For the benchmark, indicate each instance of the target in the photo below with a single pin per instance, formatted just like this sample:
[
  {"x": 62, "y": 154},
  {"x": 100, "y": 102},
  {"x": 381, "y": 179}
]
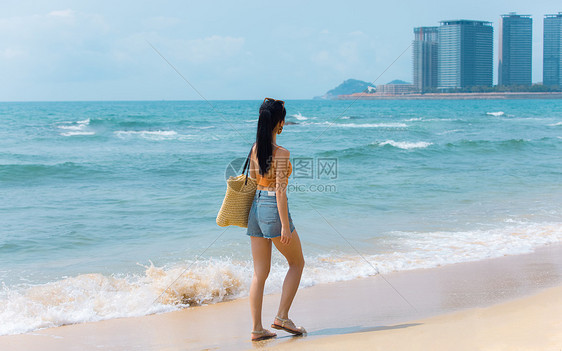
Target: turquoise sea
[{"x": 105, "y": 204}]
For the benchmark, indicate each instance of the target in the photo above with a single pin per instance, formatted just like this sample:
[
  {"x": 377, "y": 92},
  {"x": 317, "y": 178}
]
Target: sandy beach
[
  {"x": 506, "y": 303},
  {"x": 528, "y": 323}
]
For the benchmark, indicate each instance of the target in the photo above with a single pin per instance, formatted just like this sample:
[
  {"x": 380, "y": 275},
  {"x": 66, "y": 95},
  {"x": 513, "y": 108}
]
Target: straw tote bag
[{"x": 240, "y": 192}]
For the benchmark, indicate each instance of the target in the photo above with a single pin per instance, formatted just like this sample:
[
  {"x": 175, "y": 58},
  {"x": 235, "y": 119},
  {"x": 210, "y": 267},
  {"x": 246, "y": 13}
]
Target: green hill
[
  {"x": 349, "y": 86},
  {"x": 398, "y": 81}
]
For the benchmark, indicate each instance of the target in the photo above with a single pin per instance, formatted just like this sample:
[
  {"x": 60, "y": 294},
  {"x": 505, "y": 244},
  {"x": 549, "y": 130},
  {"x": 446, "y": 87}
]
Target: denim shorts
[{"x": 263, "y": 219}]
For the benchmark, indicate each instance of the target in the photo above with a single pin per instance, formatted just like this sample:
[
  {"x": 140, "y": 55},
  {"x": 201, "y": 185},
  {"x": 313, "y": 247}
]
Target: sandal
[
  {"x": 263, "y": 334},
  {"x": 288, "y": 326}
]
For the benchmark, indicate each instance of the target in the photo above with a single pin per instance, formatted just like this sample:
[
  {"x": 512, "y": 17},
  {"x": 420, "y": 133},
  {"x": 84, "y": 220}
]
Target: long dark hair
[{"x": 271, "y": 113}]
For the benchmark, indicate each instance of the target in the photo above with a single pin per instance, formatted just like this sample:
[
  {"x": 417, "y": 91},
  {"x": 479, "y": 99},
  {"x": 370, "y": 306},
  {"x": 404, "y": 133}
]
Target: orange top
[{"x": 269, "y": 180}]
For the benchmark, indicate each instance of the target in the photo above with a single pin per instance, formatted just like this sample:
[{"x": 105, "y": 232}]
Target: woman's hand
[{"x": 286, "y": 235}]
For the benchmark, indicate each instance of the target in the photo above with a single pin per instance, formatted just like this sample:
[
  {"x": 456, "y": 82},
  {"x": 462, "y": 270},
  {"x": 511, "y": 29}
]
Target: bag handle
[{"x": 246, "y": 168}]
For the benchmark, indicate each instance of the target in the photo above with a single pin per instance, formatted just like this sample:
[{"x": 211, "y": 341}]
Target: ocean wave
[
  {"x": 444, "y": 120},
  {"x": 76, "y": 128},
  {"x": 449, "y": 131},
  {"x": 359, "y": 125},
  {"x": 372, "y": 125},
  {"x": 457, "y": 146},
  {"x": 77, "y": 133},
  {"x": 72, "y": 126},
  {"x": 299, "y": 116},
  {"x": 137, "y": 123},
  {"x": 413, "y": 119},
  {"x": 94, "y": 297},
  {"x": 404, "y": 144},
  {"x": 150, "y": 134},
  {"x": 133, "y": 124},
  {"x": 556, "y": 124},
  {"x": 496, "y": 114},
  {"x": 494, "y": 144},
  {"x": 26, "y": 172}
]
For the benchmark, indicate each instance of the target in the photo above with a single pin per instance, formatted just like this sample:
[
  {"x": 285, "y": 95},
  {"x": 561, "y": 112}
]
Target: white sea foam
[
  {"x": 299, "y": 116},
  {"x": 556, "y": 124},
  {"x": 495, "y": 114},
  {"x": 77, "y": 128},
  {"x": 441, "y": 119},
  {"x": 93, "y": 297},
  {"x": 406, "y": 145},
  {"x": 356, "y": 125},
  {"x": 413, "y": 119},
  {"x": 150, "y": 134},
  {"x": 73, "y": 126},
  {"x": 77, "y": 133},
  {"x": 345, "y": 117},
  {"x": 416, "y": 250}
]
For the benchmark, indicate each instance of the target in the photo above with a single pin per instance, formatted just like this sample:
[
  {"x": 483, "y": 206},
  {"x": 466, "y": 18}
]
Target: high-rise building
[
  {"x": 425, "y": 58},
  {"x": 465, "y": 54},
  {"x": 552, "y": 56},
  {"x": 515, "y": 50}
]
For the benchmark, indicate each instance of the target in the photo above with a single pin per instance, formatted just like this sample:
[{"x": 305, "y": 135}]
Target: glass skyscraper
[
  {"x": 465, "y": 54},
  {"x": 515, "y": 50},
  {"x": 425, "y": 58},
  {"x": 552, "y": 55}
]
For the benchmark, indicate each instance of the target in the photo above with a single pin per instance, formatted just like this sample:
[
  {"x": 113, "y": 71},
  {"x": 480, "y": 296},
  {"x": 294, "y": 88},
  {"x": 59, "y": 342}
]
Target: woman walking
[{"x": 269, "y": 220}]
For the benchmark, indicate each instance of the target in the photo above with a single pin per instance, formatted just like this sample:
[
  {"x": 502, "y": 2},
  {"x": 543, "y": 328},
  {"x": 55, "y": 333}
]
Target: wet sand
[{"x": 359, "y": 310}]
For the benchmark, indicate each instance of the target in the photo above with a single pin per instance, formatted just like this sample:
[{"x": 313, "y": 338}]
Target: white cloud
[
  {"x": 59, "y": 45},
  {"x": 68, "y": 13},
  {"x": 40, "y": 28},
  {"x": 349, "y": 51},
  {"x": 341, "y": 56},
  {"x": 213, "y": 48},
  {"x": 357, "y": 33}
]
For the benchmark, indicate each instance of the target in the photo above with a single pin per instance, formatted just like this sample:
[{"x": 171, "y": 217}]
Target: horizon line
[{"x": 147, "y": 100}]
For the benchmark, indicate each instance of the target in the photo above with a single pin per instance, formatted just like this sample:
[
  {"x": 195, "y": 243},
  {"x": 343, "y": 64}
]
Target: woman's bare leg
[
  {"x": 261, "y": 252},
  {"x": 294, "y": 256}
]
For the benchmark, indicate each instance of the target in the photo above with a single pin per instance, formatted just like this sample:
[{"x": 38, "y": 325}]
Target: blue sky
[{"x": 98, "y": 50}]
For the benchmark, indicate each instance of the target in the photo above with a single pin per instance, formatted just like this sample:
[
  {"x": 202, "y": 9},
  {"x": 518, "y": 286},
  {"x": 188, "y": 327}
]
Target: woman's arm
[
  {"x": 252, "y": 164},
  {"x": 281, "y": 181}
]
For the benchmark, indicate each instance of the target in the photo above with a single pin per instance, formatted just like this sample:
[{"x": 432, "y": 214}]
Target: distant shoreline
[{"x": 453, "y": 96}]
